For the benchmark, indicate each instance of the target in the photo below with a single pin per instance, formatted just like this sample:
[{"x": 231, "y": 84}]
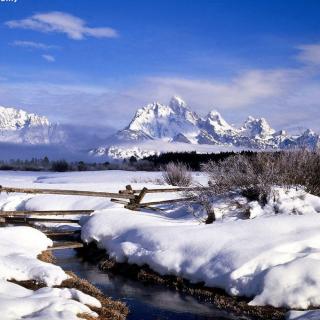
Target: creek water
[{"x": 146, "y": 302}]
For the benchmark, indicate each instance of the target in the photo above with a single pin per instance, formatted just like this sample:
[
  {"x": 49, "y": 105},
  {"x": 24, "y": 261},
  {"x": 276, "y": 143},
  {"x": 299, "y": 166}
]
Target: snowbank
[
  {"x": 287, "y": 201},
  {"x": 17, "y": 302},
  {"x": 19, "y": 248},
  {"x": 274, "y": 260}
]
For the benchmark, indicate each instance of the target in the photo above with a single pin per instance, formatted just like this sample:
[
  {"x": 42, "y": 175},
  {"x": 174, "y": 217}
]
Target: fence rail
[
  {"x": 66, "y": 192},
  {"x": 44, "y": 213}
]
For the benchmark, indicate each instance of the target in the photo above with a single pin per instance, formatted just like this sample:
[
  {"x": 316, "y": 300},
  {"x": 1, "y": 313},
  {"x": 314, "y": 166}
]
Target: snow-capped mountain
[
  {"x": 157, "y": 121},
  {"x": 175, "y": 123},
  {"x": 19, "y": 126}
]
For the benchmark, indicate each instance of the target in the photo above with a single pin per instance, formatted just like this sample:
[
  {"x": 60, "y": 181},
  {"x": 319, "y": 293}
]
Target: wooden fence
[
  {"x": 136, "y": 203},
  {"x": 130, "y": 198}
]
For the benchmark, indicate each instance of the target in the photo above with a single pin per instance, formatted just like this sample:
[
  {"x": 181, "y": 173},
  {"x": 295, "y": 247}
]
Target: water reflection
[{"x": 146, "y": 302}]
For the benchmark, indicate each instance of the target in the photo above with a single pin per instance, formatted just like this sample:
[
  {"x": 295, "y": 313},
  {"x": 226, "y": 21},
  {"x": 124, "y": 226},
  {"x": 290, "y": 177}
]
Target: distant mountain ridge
[
  {"x": 154, "y": 128},
  {"x": 21, "y": 127},
  {"x": 176, "y": 123}
]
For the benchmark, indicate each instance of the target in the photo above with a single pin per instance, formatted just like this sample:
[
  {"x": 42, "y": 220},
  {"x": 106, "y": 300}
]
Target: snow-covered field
[{"x": 273, "y": 257}]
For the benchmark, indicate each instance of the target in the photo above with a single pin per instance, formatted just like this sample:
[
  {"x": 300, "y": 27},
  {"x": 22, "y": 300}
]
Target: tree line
[{"x": 192, "y": 160}]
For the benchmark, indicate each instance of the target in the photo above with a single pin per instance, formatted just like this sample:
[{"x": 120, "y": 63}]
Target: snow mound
[
  {"x": 274, "y": 260},
  {"x": 17, "y": 302},
  {"x": 19, "y": 248}
]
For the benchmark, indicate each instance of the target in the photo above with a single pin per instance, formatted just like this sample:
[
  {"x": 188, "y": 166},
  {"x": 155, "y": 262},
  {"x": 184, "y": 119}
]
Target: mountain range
[
  {"x": 154, "y": 128},
  {"x": 175, "y": 124},
  {"x": 20, "y": 127}
]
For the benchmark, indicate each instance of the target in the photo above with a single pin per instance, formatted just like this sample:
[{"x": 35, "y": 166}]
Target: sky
[{"x": 94, "y": 62}]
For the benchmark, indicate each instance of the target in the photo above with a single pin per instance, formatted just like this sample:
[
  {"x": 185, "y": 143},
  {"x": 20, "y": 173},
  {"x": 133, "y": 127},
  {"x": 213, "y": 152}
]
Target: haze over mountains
[{"x": 154, "y": 128}]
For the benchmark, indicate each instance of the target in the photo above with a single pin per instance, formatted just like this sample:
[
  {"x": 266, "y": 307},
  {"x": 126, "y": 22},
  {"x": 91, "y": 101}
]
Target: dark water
[{"x": 145, "y": 302}]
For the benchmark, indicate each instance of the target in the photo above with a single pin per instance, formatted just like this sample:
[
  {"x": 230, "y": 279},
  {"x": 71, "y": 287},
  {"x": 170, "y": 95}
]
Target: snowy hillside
[
  {"x": 176, "y": 123},
  {"x": 18, "y": 126}
]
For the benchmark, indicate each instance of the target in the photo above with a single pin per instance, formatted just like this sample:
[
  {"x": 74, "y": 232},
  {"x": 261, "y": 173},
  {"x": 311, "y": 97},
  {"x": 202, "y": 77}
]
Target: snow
[
  {"x": 141, "y": 149},
  {"x": 19, "y": 248},
  {"x": 116, "y": 152},
  {"x": 160, "y": 121},
  {"x": 292, "y": 201},
  {"x": 17, "y": 302},
  {"x": 19, "y": 126},
  {"x": 273, "y": 257},
  {"x": 303, "y": 315}
]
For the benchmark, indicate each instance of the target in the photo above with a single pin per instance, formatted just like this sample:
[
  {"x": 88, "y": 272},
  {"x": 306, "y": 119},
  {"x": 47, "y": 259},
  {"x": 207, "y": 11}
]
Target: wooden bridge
[{"x": 130, "y": 198}]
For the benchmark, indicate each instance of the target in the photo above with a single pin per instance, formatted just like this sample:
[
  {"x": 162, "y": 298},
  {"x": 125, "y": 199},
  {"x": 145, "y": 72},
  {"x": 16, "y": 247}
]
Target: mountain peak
[
  {"x": 215, "y": 120},
  {"x": 19, "y": 126},
  {"x": 257, "y": 127},
  {"x": 16, "y": 119},
  {"x": 176, "y": 101},
  {"x": 309, "y": 132},
  {"x": 158, "y": 121},
  {"x": 214, "y": 114}
]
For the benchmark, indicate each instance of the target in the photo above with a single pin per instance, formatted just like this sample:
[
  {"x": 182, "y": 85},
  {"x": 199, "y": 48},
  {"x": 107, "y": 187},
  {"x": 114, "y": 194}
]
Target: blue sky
[{"x": 93, "y": 62}]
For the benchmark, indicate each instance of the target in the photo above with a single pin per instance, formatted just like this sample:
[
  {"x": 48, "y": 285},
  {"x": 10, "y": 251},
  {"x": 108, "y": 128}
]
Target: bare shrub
[
  {"x": 177, "y": 174},
  {"x": 255, "y": 176},
  {"x": 300, "y": 168}
]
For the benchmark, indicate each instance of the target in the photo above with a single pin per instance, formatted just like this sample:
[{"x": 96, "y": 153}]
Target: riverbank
[
  {"x": 110, "y": 309},
  {"x": 237, "y": 306},
  {"x": 31, "y": 286}
]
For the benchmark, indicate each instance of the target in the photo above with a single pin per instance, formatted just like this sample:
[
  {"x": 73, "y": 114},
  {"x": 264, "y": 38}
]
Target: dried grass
[
  {"x": 47, "y": 256},
  {"x": 177, "y": 174}
]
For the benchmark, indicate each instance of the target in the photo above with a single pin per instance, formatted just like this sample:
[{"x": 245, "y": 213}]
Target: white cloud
[
  {"x": 33, "y": 45},
  {"x": 49, "y": 57},
  {"x": 60, "y": 22},
  {"x": 309, "y": 54},
  {"x": 241, "y": 91}
]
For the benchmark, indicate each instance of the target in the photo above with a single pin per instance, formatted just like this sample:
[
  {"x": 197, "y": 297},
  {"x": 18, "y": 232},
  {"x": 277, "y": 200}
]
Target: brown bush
[{"x": 177, "y": 174}]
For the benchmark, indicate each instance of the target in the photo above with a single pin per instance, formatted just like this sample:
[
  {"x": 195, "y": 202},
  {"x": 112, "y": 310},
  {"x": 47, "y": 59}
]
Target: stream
[{"x": 146, "y": 302}]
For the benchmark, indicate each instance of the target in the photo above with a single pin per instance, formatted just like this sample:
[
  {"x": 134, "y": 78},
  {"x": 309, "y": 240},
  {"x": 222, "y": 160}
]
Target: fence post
[{"x": 134, "y": 203}]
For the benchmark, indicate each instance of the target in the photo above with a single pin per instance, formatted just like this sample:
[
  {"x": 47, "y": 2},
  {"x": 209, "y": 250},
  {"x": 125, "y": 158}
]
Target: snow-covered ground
[
  {"x": 273, "y": 257},
  {"x": 19, "y": 247}
]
